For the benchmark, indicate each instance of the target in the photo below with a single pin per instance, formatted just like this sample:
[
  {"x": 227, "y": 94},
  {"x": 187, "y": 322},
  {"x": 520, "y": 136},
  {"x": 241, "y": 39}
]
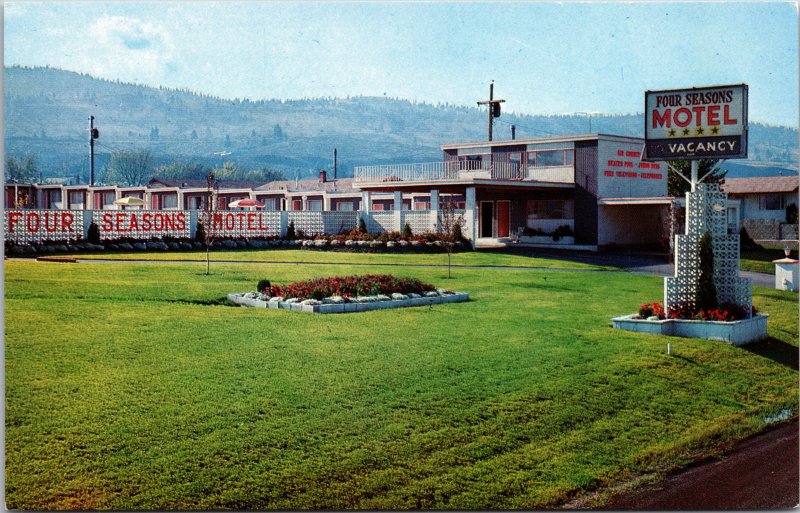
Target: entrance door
[
  {"x": 487, "y": 216},
  {"x": 503, "y": 218}
]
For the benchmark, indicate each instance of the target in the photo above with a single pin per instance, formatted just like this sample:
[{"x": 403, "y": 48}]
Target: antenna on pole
[
  {"x": 494, "y": 107},
  {"x": 334, "y": 163}
]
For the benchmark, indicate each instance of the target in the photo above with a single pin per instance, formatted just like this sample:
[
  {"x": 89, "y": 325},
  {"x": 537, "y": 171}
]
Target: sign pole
[{"x": 695, "y": 166}]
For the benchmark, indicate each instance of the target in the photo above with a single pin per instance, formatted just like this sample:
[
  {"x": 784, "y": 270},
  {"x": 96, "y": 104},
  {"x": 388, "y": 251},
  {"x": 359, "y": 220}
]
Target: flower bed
[
  {"x": 728, "y": 323},
  {"x": 340, "y": 294}
]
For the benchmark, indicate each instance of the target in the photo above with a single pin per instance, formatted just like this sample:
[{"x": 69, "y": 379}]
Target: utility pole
[
  {"x": 494, "y": 107},
  {"x": 513, "y": 132},
  {"x": 334, "y": 163},
  {"x": 93, "y": 134}
]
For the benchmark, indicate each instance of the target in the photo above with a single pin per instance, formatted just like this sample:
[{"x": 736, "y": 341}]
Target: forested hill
[{"x": 47, "y": 110}]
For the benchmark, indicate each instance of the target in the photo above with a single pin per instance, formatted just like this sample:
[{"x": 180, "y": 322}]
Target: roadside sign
[{"x": 696, "y": 123}]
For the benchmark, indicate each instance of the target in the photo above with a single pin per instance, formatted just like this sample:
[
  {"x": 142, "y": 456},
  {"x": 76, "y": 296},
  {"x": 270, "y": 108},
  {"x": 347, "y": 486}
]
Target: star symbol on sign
[
  {"x": 699, "y": 130},
  {"x": 671, "y": 132},
  {"x": 686, "y": 131},
  {"x": 714, "y": 129}
]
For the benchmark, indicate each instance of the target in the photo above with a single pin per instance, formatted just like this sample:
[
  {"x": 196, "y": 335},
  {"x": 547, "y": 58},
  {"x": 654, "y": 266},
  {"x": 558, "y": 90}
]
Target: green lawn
[
  {"x": 467, "y": 258},
  {"x": 129, "y": 386},
  {"x": 760, "y": 260}
]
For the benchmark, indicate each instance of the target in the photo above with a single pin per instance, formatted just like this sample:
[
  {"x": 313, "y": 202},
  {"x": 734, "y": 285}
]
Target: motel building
[
  {"x": 586, "y": 192},
  {"x": 519, "y": 192}
]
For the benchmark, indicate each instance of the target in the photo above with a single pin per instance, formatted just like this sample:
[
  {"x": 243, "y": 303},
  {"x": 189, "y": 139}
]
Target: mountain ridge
[{"x": 47, "y": 109}]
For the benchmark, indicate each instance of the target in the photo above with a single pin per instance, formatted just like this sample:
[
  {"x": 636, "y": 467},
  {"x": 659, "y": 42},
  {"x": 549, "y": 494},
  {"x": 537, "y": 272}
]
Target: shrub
[
  {"x": 407, "y": 231},
  {"x": 746, "y": 241},
  {"x": 562, "y": 231},
  {"x": 791, "y": 213},
  {"x": 362, "y": 225},
  {"x": 290, "y": 234},
  {"x": 706, "y": 290},
  {"x": 651, "y": 309},
  {"x": 458, "y": 236},
  {"x": 264, "y": 286},
  {"x": 200, "y": 232},
  {"x": 346, "y": 286},
  {"x": 94, "y": 234}
]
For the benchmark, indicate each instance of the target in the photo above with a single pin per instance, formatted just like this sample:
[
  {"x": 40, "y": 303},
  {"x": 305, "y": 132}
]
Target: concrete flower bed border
[
  {"x": 734, "y": 332},
  {"x": 311, "y": 306}
]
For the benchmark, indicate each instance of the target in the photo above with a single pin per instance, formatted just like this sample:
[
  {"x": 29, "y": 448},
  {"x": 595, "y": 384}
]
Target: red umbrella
[{"x": 246, "y": 202}]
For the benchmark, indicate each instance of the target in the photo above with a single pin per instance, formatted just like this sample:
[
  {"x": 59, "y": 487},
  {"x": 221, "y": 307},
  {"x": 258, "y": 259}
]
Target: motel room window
[
  {"x": 771, "y": 202},
  {"x": 54, "y": 197},
  {"x": 551, "y": 209},
  {"x": 109, "y": 198},
  {"x": 550, "y": 158},
  {"x": 269, "y": 204},
  {"x": 169, "y": 201},
  {"x": 75, "y": 197},
  {"x": 345, "y": 206},
  {"x": 314, "y": 205},
  {"x": 196, "y": 203},
  {"x": 472, "y": 162}
]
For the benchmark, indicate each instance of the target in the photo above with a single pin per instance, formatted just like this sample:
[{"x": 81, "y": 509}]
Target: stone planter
[
  {"x": 735, "y": 332},
  {"x": 240, "y": 300}
]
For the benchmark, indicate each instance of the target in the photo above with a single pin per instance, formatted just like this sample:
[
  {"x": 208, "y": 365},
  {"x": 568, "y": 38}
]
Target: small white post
[
  {"x": 669, "y": 348},
  {"x": 695, "y": 165}
]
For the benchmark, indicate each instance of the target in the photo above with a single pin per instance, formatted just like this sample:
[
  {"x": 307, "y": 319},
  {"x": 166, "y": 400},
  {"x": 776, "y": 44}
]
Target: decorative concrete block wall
[{"x": 705, "y": 212}]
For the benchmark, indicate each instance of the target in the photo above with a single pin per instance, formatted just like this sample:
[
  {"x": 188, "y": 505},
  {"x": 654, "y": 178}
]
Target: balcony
[{"x": 461, "y": 170}]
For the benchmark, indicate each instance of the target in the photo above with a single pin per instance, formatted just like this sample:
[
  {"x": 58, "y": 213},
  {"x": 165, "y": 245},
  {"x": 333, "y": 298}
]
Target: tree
[
  {"x": 277, "y": 133},
  {"x": 183, "y": 171},
  {"x": 206, "y": 222},
  {"x": 21, "y": 171},
  {"x": 449, "y": 228},
  {"x": 678, "y": 187},
  {"x": 130, "y": 167}
]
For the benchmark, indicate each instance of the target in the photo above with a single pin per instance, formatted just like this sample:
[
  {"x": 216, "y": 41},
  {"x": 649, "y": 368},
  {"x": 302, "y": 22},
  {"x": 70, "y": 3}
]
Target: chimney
[{"x": 323, "y": 177}]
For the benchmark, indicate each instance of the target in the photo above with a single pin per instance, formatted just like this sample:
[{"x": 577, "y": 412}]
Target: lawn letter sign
[{"x": 697, "y": 123}]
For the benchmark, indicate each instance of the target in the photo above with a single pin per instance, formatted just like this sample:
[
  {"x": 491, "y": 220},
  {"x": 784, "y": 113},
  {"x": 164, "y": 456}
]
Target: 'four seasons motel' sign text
[{"x": 697, "y": 123}]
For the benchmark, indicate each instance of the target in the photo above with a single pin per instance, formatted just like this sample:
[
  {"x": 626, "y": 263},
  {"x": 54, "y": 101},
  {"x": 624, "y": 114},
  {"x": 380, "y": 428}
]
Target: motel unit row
[{"x": 595, "y": 184}]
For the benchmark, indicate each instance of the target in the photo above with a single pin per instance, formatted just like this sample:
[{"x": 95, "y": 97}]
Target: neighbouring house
[{"x": 764, "y": 202}]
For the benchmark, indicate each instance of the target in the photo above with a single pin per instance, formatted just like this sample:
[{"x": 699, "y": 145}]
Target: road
[{"x": 761, "y": 473}]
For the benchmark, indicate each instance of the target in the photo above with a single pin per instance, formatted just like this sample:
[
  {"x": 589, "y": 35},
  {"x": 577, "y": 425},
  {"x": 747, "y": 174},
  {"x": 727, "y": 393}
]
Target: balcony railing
[{"x": 455, "y": 170}]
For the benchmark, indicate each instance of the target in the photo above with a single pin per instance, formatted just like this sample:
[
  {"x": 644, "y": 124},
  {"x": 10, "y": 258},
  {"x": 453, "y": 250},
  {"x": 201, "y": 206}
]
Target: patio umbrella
[
  {"x": 247, "y": 202},
  {"x": 131, "y": 201}
]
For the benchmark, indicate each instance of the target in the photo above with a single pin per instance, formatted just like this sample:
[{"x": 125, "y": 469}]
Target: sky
[{"x": 544, "y": 57}]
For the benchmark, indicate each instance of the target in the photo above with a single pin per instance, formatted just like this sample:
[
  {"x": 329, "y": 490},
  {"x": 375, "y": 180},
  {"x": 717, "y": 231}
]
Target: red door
[{"x": 503, "y": 218}]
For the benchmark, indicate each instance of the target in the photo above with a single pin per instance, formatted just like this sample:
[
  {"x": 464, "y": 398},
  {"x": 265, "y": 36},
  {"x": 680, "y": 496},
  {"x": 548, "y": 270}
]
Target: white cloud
[{"x": 128, "y": 48}]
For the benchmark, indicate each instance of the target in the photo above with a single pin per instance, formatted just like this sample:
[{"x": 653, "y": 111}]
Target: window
[
  {"x": 109, "y": 198},
  {"x": 550, "y": 209},
  {"x": 771, "y": 202},
  {"x": 345, "y": 205},
  {"x": 550, "y": 158},
  {"x": 314, "y": 205},
  {"x": 75, "y": 197},
  {"x": 54, "y": 197},
  {"x": 474, "y": 162},
  {"x": 422, "y": 205},
  {"x": 169, "y": 201}
]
